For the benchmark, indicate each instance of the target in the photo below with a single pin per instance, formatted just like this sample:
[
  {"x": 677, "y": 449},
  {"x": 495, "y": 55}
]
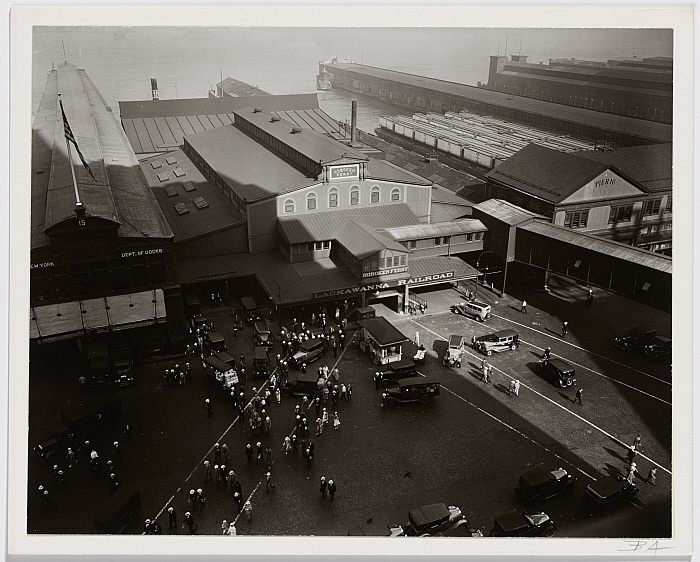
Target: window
[
  {"x": 311, "y": 202},
  {"x": 355, "y": 195},
  {"x": 310, "y": 247},
  {"x": 396, "y": 194},
  {"x": 289, "y": 206},
  {"x": 411, "y": 244},
  {"x": 397, "y": 260},
  {"x": 652, "y": 207},
  {"x": 326, "y": 244},
  {"x": 469, "y": 236},
  {"x": 333, "y": 197},
  {"x": 402, "y": 261},
  {"x": 669, "y": 202},
  {"x": 374, "y": 196},
  {"x": 478, "y": 235},
  {"x": 437, "y": 241},
  {"x": 576, "y": 219},
  {"x": 620, "y": 214}
]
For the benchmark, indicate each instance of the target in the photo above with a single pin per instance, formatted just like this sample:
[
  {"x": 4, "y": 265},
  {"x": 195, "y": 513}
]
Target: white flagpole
[{"x": 70, "y": 157}]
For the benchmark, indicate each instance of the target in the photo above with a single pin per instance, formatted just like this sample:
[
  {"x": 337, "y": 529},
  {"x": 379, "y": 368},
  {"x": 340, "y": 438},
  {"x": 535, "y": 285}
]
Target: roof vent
[
  {"x": 257, "y": 110},
  {"x": 275, "y": 118},
  {"x": 296, "y": 130}
]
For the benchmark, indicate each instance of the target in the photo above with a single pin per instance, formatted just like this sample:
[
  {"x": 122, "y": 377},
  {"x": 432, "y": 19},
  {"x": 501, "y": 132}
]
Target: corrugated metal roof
[
  {"x": 385, "y": 170},
  {"x": 611, "y": 248},
  {"x": 315, "y": 119},
  {"x": 431, "y": 230},
  {"x": 425, "y": 267},
  {"x": 650, "y": 166},
  {"x": 504, "y": 211},
  {"x": 382, "y": 331},
  {"x": 315, "y": 146},
  {"x": 220, "y": 213},
  {"x": 363, "y": 241},
  {"x": 235, "y": 87},
  {"x": 213, "y": 106},
  {"x": 325, "y": 225},
  {"x": 248, "y": 167},
  {"x": 545, "y": 173},
  {"x": 441, "y": 212},
  {"x": 609, "y": 122},
  {"x": 119, "y": 194}
]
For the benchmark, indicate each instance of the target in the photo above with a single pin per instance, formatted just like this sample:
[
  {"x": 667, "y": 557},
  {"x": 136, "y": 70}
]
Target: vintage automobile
[
  {"x": 122, "y": 363},
  {"x": 455, "y": 351},
  {"x": 116, "y": 513},
  {"x": 301, "y": 383},
  {"x": 215, "y": 342},
  {"x": 539, "y": 484},
  {"x": 54, "y": 448},
  {"x": 608, "y": 493},
  {"x": 249, "y": 309},
  {"x": 199, "y": 322},
  {"x": 431, "y": 519},
  {"x": 659, "y": 347},
  {"x": 478, "y": 310},
  {"x": 309, "y": 351},
  {"x": 502, "y": 340},
  {"x": 556, "y": 371},
  {"x": 262, "y": 334},
  {"x": 636, "y": 339},
  {"x": 393, "y": 372},
  {"x": 523, "y": 524},
  {"x": 415, "y": 389},
  {"x": 226, "y": 357},
  {"x": 219, "y": 373},
  {"x": 260, "y": 361}
]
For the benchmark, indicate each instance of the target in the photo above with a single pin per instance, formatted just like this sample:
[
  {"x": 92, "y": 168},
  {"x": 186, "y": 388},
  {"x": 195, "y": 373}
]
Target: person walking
[
  {"x": 631, "y": 473},
  {"x": 70, "y": 455},
  {"x": 309, "y": 456},
  {"x": 334, "y": 397},
  {"x": 631, "y": 455},
  {"x": 523, "y": 307},
  {"x": 564, "y": 329},
  {"x": 324, "y": 417},
  {"x": 295, "y": 444},
  {"x": 349, "y": 393},
  {"x": 336, "y": 421},
  {"x": 237, "y": 502},
  {"x": 343, "y": 393},
  {"x": 651, "y": 479},
  {"x": 268, "y": 457},
  {"x": 210, "y": 409},
  {"x": 189, "y": 523},
  {"x": 268, "y": 481},
  {"x": 200, "y": 498},
  {"x": 319, "y": 426},
  {"x": 224, "y": 452},
  {"x": 268, "y": 425},
  {"x": 516, "y": 387},
  {"x": 511, "y": 387},
  {"x": 217, "y": 453},
  {"x": 546, "y": 354},
  {"x": 207, "y": 471},
  {"x": 418, "y": 339},
  {"x": 579, "y": 394},
  {"x": 590, "y": 296},
  {"x": 249, "y": 453},
  {"x": 324, "y": 487},
  {"x": 331, "y": 489},
  {"x": 217, "y": 474},
  {"x": 172, "y": 518},
  {"x": 637, "y": 443},
  {"x": 258, "y": 452}
]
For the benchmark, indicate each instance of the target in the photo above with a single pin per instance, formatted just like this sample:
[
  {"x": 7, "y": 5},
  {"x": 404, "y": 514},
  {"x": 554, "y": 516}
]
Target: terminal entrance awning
[{"x": 118, "y": 312}]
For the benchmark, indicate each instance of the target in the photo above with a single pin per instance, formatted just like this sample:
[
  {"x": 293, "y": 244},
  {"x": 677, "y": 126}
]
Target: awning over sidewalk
[{"x": 69, "y": 319}]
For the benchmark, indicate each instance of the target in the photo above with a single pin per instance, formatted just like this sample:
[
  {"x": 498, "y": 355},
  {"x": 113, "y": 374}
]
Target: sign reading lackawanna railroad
[{"x": 379, "y": 286}]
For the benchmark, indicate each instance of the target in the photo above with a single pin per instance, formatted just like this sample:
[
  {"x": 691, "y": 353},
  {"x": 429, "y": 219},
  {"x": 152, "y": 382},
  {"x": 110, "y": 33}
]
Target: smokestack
[
  {"x": 353, "y": 123},
  {"x": 154, "y": 88}
]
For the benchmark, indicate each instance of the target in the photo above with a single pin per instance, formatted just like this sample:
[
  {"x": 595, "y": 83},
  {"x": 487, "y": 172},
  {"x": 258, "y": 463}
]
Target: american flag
[{"x": 69, "y": 136}]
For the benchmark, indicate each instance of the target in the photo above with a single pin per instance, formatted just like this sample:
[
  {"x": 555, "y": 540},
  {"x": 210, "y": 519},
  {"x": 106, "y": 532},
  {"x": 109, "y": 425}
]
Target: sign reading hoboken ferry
[{"x": 345, "y": 172}]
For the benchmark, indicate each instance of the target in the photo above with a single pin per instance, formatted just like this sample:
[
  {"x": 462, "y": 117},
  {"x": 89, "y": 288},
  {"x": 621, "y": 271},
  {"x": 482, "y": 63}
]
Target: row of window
[
  {"x": 385, "y": 263},
  {"x": 311, "y": 198},
  {"x": 618, "y": 213},
  {"x": 318, "y": 246},
  {"x": 577, "y": 219}
]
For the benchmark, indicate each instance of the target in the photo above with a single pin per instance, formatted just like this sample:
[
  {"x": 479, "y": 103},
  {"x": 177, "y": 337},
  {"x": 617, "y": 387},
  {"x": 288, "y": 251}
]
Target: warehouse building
[{"x": 623, "y": 195}]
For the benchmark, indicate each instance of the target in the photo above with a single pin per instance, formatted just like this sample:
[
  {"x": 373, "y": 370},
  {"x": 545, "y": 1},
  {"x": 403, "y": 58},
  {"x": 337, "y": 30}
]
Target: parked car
[
  {"x": 523, "y": 524},
  {"x": 394, "y": 371},
  {"x": 660, "y": 346},
  {"x": 54, "y": 448},
  {"x": 94, "y": 417},
  {"x": 637, "y": 338},
  {"x": 260, "y": 361},
  {"x": 262, "y": 334},
  {"x": 249, "y": 308},
  {"x": 416, "y": 389},
  {"x": 309, "y": 351},
  {"x": 502, "y": 340},
  {"x": 556, "y": 371},
  {"x": 478, "y": 310},
  {"x": 608, "y": 493},
  {"x": 122, "y": 363},
  {"x": 539, "y": 484},
  {"x": 226, "y": 357},
  {"x": 116, "y": 513},
  {"x": 300, "y": 383},
  {"x": 431, "y": 519},
  {"x": 199, "y": 322},
  {"x": 215, "y": 342},
  {"x": 455, "y": 351}
]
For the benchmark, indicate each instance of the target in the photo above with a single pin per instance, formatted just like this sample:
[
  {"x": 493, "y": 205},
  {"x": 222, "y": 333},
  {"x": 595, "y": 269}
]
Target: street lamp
[
  {"x": 476, "y": 283},
  {"x": 279, "y": 297}
]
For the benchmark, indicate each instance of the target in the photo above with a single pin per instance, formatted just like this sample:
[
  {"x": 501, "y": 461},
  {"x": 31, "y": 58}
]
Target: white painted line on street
[
  {"x": 247, "y": 500},
  {"x": 601, "y": 430},
  {"x": 601, "y": 374},
  {"x": 561, "y": 340},
  {"x": 515, "y": 430},
  {"x": 167, "y": 504}
]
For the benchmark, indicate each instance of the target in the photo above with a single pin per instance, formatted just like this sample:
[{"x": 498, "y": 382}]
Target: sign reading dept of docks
[
  {"x": 428, "y": 279},
  {"x": 351, "y": 171}
]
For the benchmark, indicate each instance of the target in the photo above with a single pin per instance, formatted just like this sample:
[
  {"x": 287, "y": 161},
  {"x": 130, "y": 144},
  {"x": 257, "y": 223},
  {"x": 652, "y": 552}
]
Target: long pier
[{"x": 424, "y": 94}]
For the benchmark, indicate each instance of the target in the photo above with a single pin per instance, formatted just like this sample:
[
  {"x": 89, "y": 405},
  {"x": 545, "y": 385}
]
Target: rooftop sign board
[{"x": 351, "y": 171}]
